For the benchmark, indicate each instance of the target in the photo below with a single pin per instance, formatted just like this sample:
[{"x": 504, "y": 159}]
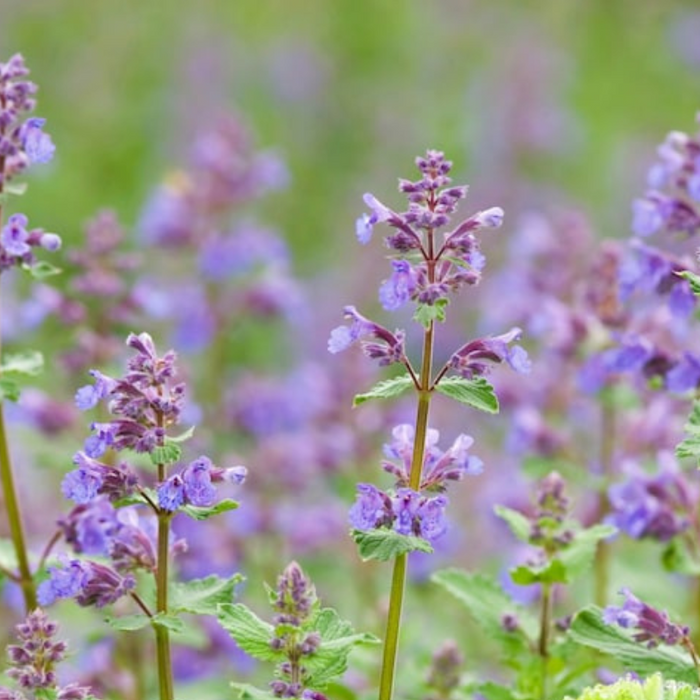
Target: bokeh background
[{"x": 541, "y": 105}]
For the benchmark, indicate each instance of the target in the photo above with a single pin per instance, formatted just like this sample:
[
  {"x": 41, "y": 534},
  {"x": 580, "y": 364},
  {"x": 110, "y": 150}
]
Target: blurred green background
[{"x": 538, "y": 103}]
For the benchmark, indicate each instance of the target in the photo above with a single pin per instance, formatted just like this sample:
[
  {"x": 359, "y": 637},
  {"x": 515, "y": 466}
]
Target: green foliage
[
  {"x": 693, "y": 280},
  {"x": 653, "y": 688},
  {"x": 204, "y": 595},
  {"x": 169, "y": 453},
  {"x": 386, "y": 389},
  {"x": 252, "y": 634},
  {"x": 677, "y": 559},
  {"x": 690, "y": 446},
  {"x": 477, "y": 393},
  {"x": 204, "y": 512},
  {"x": 41, "y": 270},
  {"x": 15, "y": 368},
  {"x": 487, "y": 603},
  {"x": 520, "y": 526},
  {"x": 250, "y": 692},
  {"x": 589, "y": 629},
  {"x": 425, "y": 314},
  {"x": 383, "y": 544}
]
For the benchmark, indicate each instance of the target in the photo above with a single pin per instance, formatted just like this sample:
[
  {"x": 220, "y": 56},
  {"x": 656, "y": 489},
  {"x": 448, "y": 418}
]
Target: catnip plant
[{"x": 431, "y": 260}]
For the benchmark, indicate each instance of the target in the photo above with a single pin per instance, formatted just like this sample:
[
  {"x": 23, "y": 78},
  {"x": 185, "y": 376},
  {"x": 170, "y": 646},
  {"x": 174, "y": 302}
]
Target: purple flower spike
[
  {"x": 37, "y": 145},
  {"x": 171, "y": 493},
  {"x": 14, "y": 236},
  {"x": 653, "y": 626}
]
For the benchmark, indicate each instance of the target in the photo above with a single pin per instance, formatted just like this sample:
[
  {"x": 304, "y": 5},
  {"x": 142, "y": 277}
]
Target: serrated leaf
[
  {"x": 589, "y": 629},
  {"x": 519, "y": 525},
  {"x": 252, "y": 634},
  {"x": 690, "y": 446},
  {"x": 250, "y": 692},
  {"x": 169, "y": 453},
  {"x": 41, "y": 270},
  {"x": 383, "y": 544},
  {"x": 170, "y": 621},
  {"x": 338, "y": 638},
  {"x": 487, "y": 603},
  {"x": 693, "y": 280},
  {"x": 477, "y": 393},
  {"x": 9, "y": 389},
  {"x": 128, "y": 623},
  {"x": 425, "y": 314},
  {"x": 27, "y": 364},
  {"x": 578, "y": 557},
  {"x": 204, "y": 512},
  {"x": 385, "y": 389},
  {"x": 203, "y": 596}
]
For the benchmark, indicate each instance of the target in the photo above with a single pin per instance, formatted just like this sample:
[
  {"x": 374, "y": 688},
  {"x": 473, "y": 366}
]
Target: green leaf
[
  {"x": 487, "y": 603},
  {"x": 251, "y": 633},
  {"x": 204, "y": 512},
  {"x": 250, "y": 692},
  {"x": 9, "y": 389},
  {"x": 128, "y": 623},
  {"x": 553, "y": 572},
  {"x": 136, "y": 499},
  {"x": 477, "y": 392},
  {"x": 520, "y": 526},
  {"x": 425, "y": 314},
  {"x": 677, "y": 559},
  {"x": 169, "y": 621},
  {"x": 589, "y": 629},
  {"x": 385, "y": 389},
  {"x": 169, "y": 453},
  {"x": 693, "y": 279},
  {"x": 41, "y": 270},
  {"x": 337, "y": 641},
  {"x": 16, "y": 188},
  {"x": 383, "y": 544},
  {"x": 493, "y": 691},
  {"x": 578, "y": 557},
  {"x": 690, "y": 446},
  {"x": 203, "y": 596},
  {"x": 27, "y": 364},
  {"x": 183, "y": 436}
]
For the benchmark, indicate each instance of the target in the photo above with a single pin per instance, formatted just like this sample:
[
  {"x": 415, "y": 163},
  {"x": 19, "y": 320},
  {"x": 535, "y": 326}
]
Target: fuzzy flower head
[
  {"x": 429, "y": 265},
  {"x": 23, "y": 141},
  {"x": 652, "y": 627}
]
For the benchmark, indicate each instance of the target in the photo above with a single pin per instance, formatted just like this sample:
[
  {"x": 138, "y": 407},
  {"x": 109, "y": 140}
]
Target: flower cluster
[
  {"x": 657, "y": 506},
  {"x": 195, "y": 484},
  {"x": 22, "y": 140},
  {"x": 404, "y": 510},
  {"x": 33, "y": 662},
  {"x": 295, "y": 603},
  {"x": 677, "y": 173},
  {"x": 17, "y": 242},
  {"x": 652, "y": 626}
]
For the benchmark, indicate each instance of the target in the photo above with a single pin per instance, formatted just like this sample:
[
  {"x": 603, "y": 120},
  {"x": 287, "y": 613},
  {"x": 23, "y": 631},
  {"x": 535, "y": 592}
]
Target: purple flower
[
  {"x": 405, "y": 507},
  {"x": 88, "y": 397},
  {"x": 63, "y": 582},
  {"x": 37, "y": 145},
  {"x": 397, "y": 290},
  {"x": 431, "y": 514},
  {"x": 197, "y": 483},
  {"x": 647, "y": 217},
  {"x": 370, "y": 509},
  {"x": 653, "y": 626},
  {"x": 171, "y": 493},
  {"x": 684, "y": 375},
  {"x": 82, "y": 485},
  {"x": 490, "y": 218},
  {"x": 472, "y": 359},
  {"x": 363, "y": 229},
  {"x": 14, "y": 235}
]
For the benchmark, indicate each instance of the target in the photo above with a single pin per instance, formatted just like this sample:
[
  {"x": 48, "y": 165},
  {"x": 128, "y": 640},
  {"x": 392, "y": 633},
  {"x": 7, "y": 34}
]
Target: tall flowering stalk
[
  {"x": 428, "y": 266},
  {"x": 22, "y": 143}
]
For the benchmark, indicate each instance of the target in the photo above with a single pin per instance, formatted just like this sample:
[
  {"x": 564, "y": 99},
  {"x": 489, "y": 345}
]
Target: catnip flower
[
  {"x": 17, "y": 242},
  {"x": 652, "y": 627},
  {"x": 473, "y": 359}
]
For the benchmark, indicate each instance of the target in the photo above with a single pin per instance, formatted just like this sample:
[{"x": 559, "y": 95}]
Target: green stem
[
  {"x": 14, "y": 516},
  {"x": 165, "y": 671},
  {"x": 545, "y": 621},
  {"x": 398, "y": 581}
]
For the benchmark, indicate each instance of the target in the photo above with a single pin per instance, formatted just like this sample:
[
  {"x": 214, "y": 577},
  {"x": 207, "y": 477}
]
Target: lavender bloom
[
  {"x": 14, "y": 235},
  {"x": 88, "y": 582},
  {"x": 171, "y": 493},
  {"x": 388, "y": 351},
  {"x": 92, "y": 478},
  {"x": 371, "y": 509},
  {"x": 653, "y": 626},
  {"x": 397, "y": 290},
  {"x": 33, "y": 661},
  {"x": 472, "y": 359},
  {"x": 88, "y": 397},
  {"x": 37, "y": 145},
  {"x": 197, "y": 482},
  {"x": 654, "y": 506}
]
